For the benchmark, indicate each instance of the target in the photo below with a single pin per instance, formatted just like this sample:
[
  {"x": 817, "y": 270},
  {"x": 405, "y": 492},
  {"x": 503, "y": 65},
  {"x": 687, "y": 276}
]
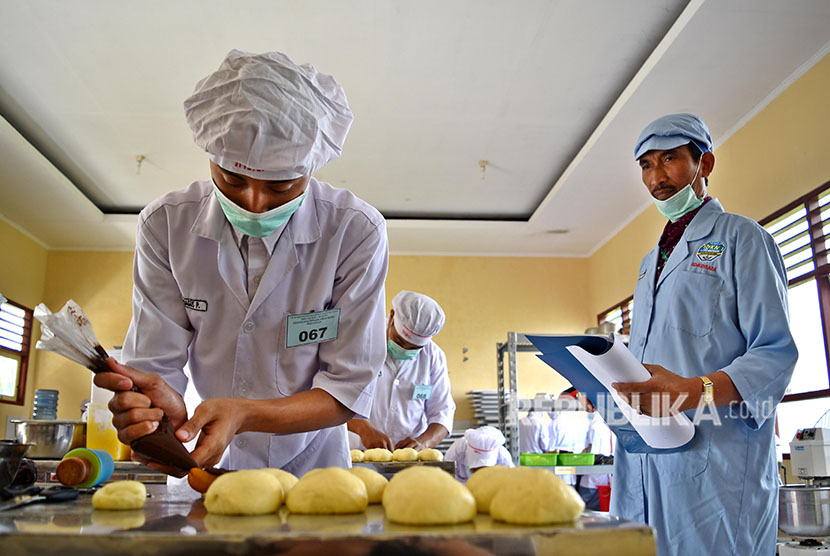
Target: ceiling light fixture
[
  {"x": 139, "y": 158},
  {"x": 483, "y": 164}
]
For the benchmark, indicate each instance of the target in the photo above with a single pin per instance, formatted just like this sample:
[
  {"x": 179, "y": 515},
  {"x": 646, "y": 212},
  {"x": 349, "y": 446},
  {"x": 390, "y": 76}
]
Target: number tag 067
[{"x": 312, "y": 328}]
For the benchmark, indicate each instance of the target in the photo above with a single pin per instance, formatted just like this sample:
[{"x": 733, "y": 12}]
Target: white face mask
[{"x": 682, "y": 202}]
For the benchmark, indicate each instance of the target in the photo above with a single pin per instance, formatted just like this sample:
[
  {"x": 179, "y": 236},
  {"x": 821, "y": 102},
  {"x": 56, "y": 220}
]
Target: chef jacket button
[
  {"x": 394, "y": 408},
  {"x": 243, "y": 390},
  {"x": 249, "y": 326},
  {"x": 240, "y": 442},
  {"x": 397, "y": 382}
]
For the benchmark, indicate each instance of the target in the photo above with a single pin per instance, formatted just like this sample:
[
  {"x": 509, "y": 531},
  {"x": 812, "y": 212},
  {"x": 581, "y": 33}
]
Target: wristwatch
[{"x": 708, "y": 390}]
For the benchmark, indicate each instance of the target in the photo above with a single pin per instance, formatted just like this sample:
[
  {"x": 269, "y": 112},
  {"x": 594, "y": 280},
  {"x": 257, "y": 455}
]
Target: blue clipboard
[{"x": 555, "y": 355}]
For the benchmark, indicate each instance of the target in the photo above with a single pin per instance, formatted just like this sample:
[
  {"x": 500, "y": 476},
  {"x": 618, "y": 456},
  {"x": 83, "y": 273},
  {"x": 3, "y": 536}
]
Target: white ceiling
[{"x": 551, "y": 93}]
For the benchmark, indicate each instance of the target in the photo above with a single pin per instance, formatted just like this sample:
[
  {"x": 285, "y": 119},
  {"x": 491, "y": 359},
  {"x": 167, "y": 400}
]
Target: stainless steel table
[{"x": 174, "y": 521}]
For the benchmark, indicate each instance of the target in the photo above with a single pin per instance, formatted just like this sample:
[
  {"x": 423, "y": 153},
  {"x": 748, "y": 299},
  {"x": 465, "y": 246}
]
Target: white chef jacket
[
  {"x": 395, "y": 412},
  {"x": 534, "y": 433},
  {"x": 191, "y": 306},
  {"x": 569, "y": 431},
  {"x": 602, "y": 442},
  {"x": 457, "y": 452}
]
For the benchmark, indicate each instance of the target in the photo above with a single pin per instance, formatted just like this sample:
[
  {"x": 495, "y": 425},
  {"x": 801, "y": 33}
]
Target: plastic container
[
  {"x": 85, "y": 468},
  {"x": 576, "y": 459},
  {"x": 604, "y": 493},
  {"x": 539, "y": 460},
  {"x": 45, "y": 405},
  {"x": 100, "y": 432}
]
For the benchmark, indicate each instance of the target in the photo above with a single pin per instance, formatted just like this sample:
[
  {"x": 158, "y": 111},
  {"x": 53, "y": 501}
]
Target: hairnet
[
  {"x": 483, "y": 446},
  {"x": 672, "y": 131},
  {"x": 417, "y": 317},
  {"x": 264, "y": 116}
]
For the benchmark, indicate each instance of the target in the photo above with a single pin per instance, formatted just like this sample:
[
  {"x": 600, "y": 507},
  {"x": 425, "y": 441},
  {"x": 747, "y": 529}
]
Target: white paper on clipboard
[{"x": 618, "y": 364}]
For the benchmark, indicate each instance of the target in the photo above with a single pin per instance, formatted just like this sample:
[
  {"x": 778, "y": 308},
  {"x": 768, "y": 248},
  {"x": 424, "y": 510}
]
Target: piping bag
[{"x": 69, "y": 333}]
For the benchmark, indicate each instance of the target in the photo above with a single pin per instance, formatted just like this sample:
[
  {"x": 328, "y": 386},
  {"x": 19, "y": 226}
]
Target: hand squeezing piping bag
[{"x": 69, "y": 333}]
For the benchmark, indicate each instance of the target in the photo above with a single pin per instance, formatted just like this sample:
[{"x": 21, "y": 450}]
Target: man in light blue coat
[{"x": 710, "y": 323}]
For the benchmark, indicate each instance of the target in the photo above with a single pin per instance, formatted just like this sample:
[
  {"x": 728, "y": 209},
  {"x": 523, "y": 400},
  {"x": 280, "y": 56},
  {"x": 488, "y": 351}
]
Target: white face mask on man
[{"x": 682, "y": 202}]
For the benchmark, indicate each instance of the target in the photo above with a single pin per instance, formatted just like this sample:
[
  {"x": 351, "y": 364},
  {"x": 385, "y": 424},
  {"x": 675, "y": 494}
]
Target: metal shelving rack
[{"x": 508, "y": 394}]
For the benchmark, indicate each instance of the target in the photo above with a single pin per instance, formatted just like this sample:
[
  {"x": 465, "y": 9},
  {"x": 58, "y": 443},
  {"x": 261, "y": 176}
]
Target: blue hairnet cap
[{"x": 672, "y": 131}]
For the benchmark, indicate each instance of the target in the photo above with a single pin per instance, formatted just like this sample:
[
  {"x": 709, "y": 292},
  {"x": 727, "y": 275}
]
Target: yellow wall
[
  {"x": 21, "y": 280},
  {"x": 484, "y": 298},
  {"x": 101, "y": 283},
  {"x": 781, "y": 154}
]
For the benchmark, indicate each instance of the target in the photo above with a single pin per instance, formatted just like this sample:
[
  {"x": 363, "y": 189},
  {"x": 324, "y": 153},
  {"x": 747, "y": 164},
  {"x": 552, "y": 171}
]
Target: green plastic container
[
  {"x": 576, "y": 459},
  {"x": 539, "y": 460}
]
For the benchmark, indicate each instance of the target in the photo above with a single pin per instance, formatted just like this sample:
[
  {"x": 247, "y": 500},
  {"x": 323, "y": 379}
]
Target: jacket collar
[{"x": 700, "y": 226}]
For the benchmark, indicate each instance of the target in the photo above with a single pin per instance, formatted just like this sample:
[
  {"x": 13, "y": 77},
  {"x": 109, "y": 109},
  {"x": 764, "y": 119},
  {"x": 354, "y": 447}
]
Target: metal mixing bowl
[
  {"x": 11, "y": 453},
  {"x": 50, "y": 439},
  {"x": 804, "y": 511}
]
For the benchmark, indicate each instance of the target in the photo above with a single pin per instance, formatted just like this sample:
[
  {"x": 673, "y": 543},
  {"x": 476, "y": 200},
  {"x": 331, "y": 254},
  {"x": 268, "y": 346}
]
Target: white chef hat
[
  {"x": 268, "y": 118},
  {"x": 417, "y": 317},
  {"x": 483, "y": 446}
]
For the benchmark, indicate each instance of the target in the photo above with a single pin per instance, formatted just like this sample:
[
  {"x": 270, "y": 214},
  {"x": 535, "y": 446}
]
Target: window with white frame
[
  {"x": 619, "y": 315},
  {"x": 15, "y": 335},
  {"x": 802, "y": 231}
]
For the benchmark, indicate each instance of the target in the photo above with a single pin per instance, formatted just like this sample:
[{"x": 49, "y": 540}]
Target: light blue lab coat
[{"x": 720, "y": 304}]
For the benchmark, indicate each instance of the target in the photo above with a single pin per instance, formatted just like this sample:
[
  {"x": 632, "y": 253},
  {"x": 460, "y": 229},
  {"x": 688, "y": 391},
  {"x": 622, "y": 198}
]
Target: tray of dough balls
[
  {"x": 387, "y": 462},
  {"x": 257, "y": 511}
]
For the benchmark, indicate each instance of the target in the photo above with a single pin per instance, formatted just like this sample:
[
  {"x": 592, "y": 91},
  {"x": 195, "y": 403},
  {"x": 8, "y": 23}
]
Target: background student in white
[
  {"x": 266, "y": 283},
  {"x": 534, "y": 432},
  {"x": 481, "y": 447},
  {"x": 569, "y": 429},
  {"x": 412, "y": 405},
  {"x": 600, "y": 440}
]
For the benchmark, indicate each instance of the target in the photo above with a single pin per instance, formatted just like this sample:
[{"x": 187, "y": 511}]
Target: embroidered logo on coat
[
  {"x": 710, "y": 251},
  {"x": 195, "y": 304}
]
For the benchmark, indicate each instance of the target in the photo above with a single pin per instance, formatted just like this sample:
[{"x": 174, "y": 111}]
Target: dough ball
[
  {"x": 374, "y": 481},
  {"x": 357, "y": 455},
  {"x": 120, "y": 495},
  {"x": 430, "y": 454},
  {"x": 246, "y": 492},
  {"x": 328, "y": 491},
  {"x": 287, "y": 479},
  {"x": 535, "y": 497},
  {"x": 377, "y": 454},
  {"x": 422, "y": 495},
  {"x": 405, "y": 454},
  {"x": 484, "y": 484}
]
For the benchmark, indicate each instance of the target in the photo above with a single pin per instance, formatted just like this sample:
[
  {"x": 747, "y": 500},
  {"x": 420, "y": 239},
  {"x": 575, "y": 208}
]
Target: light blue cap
[{"x": 672, "y": 131}]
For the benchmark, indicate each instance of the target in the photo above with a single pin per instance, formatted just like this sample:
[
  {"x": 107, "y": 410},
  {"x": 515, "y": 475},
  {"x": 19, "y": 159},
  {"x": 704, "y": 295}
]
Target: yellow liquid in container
[{"x": 101, "y": 434}]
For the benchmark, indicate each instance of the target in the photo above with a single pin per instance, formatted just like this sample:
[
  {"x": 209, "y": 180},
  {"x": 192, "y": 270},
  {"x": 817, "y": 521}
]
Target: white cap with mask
[
  {"x": 417, "y": 317},
  {"x": 263, "y": 116},
  {"x": 483, "y": 446}
]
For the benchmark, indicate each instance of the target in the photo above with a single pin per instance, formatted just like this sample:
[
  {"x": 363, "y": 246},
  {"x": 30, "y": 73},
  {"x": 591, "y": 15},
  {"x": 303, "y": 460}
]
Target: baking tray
[
  {"x": 389, "y": 468},
  {"x": 174, "y": 522}
]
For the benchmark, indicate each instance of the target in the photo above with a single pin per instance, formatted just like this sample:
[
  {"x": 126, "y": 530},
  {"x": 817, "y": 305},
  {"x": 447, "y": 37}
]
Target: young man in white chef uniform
[
  {"x": 413, "y": 405},
  {"x": 266, "y": 283},
  {"x": 481, "y": 447}
]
